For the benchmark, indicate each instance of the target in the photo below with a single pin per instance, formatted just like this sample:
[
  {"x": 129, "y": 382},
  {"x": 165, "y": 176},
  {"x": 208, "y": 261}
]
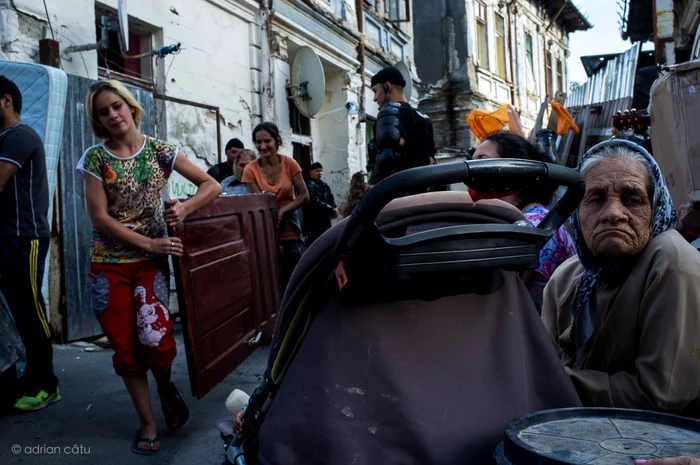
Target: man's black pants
[{"x": 21, "y": 274}]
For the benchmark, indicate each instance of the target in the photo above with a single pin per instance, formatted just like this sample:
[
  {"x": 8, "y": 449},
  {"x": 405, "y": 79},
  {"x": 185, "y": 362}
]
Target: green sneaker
[{"x": 31, "y": 401}]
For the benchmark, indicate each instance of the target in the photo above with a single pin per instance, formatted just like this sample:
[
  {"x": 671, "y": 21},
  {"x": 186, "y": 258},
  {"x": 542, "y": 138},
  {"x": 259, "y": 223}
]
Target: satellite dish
[
  {"x": 123, "y": 26},
  {"x": 406, "y": 73},
  {"x": 308, "y": 82}
]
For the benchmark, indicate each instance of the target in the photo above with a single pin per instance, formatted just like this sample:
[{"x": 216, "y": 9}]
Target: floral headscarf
[{"x": 664, "y": 218}]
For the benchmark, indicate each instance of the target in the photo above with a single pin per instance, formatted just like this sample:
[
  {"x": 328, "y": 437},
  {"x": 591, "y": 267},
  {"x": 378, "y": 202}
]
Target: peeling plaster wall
[
  {"x": 23, "y": 23},
  {"x": 210, "y": 70},
  {"x": 193, "y": 130},
  {"x": 214, "y": 67}
]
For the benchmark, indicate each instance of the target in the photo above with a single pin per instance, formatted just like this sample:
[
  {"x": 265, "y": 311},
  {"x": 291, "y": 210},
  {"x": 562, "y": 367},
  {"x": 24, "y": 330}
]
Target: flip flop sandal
[
  {"x": 140, "y": 450},
  {"x": 181, "y": 411}
]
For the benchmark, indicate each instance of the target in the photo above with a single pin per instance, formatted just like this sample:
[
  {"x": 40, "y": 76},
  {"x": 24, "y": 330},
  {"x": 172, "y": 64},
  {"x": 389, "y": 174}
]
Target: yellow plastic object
[
  {"x": 565, "y": 122},
  {"x": 483, "y": 123}
]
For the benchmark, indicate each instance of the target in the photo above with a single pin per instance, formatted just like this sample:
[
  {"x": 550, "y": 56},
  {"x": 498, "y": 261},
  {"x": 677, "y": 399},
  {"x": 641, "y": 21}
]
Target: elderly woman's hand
[{"x": 671, "y": 461}]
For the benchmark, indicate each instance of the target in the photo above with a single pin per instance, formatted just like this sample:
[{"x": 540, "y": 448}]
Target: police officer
[{"x": 403, "y": 136}]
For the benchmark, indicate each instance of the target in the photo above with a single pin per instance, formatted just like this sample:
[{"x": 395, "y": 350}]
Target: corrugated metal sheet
[
  {"x": 77, "y": 228},
  {"x": 614, "y": 82}
]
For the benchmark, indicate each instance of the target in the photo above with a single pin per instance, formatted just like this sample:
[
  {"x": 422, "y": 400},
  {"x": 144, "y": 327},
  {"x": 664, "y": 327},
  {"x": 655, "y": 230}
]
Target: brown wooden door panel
[
  {"x": 228, "y": 284},
  {"x": 267, "y": 295}
]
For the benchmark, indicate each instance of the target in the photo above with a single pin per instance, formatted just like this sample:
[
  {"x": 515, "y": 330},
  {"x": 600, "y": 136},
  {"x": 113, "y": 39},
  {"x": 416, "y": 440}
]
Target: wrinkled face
[
  {"x": 231, "y": 155},
  {"x": 380, "y": 95},
  {"x": 316, "y": 174},
  {"x": 485, "y": 150},
  {"x": 242, "y": 163},
  {"x": 265, "y": 143},
  {"x": 113, "y": 113},
  {"x": 616, "y": 211}
]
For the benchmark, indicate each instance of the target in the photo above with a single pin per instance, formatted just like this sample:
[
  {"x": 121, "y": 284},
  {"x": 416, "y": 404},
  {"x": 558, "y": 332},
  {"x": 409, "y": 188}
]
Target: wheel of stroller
[{"x": 597, "y": 435}]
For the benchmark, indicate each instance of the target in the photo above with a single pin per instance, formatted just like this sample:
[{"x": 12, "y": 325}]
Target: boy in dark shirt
[{"x": 24, "y": 243}]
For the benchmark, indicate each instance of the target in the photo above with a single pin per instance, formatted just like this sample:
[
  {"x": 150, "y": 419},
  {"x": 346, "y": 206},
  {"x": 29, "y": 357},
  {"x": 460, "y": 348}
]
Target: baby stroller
[{"x": 405, "y": 335}]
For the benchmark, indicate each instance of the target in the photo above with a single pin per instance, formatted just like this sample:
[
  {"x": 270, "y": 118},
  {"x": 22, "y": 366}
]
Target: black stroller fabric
[{"x": 383, "y": 380}]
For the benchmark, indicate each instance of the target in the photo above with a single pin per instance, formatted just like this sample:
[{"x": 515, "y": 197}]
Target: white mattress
[{"x": 44, "y": 92}]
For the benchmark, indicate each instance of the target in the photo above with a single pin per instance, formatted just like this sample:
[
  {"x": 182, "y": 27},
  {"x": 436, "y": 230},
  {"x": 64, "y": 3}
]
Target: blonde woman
[{"x": 124, "y": 176}]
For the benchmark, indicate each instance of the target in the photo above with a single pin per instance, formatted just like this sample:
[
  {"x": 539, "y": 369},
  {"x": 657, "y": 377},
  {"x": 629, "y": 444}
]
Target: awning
[{"x": 571, "y": 18}]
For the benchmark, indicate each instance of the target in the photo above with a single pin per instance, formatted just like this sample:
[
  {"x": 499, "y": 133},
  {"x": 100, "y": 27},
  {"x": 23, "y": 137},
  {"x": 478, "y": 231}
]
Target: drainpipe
[
  {"x": 511, "y": 55},
  {"x": 516, "y": 71},
  {"x": 359, "y": 9},
  {"x": 267, "y": 104}
]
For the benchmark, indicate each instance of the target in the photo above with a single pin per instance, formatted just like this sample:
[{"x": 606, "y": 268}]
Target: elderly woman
[
  {"x": 233, "y": 185},
  {"x": 625, "y": 313}
]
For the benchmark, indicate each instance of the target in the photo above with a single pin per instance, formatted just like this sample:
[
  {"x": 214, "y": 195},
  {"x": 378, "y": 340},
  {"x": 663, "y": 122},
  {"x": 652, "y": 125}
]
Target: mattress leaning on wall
[{"x": 44, "y": 91}]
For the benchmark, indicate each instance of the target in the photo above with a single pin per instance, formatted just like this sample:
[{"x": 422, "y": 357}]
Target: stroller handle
[{"x": 494, "y": 176}]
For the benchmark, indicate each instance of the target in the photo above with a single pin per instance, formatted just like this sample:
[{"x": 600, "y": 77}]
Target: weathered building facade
[
  {"x": 483, "y": 53},
  {"x": 671, "y": 25},
  {"x": 231, "y": 68},
  {"x": 232, "y": 72}
]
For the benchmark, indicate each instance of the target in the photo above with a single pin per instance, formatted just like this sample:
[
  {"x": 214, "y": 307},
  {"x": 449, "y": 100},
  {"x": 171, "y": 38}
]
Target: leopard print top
[{"x": 133, "y": 186}]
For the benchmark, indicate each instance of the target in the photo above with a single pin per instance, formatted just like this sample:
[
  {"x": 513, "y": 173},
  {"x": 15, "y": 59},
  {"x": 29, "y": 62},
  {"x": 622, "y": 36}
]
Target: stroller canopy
[{"x": 432, "y": 378}]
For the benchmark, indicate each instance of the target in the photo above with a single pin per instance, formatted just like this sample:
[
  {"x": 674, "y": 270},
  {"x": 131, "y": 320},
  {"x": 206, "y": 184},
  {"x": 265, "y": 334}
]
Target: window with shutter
[
  {"x": 500, "y": 46},
  {"x": 482, "y": 35}
]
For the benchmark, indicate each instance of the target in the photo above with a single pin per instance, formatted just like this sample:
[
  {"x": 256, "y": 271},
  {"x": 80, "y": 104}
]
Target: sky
[{"x": 603, "y": 38}]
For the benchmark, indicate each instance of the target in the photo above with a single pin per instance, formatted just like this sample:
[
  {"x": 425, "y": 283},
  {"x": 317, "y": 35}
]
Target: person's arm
[
  {"x": 16, "y": 149},
  {"x": 248, "y": 179},
  {"x": 253, "y": 188},
  {"x": 207, "y": 190},
  {"x": 302, "y": 195},
  {"x": 667, "y": 374},
  {"x": 7, "y": 170},
  {"x": 97, "y": 209}
]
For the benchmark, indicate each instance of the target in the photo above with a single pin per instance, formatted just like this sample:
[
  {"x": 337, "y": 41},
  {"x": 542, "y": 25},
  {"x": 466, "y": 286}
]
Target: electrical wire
[
  {"x": 87, "y": 73},
  {"x": 168, "y": 71},
  {"x": 49, "y": 20}
]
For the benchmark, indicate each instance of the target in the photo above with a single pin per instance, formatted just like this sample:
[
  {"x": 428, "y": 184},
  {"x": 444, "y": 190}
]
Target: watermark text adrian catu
[{"x": 45, "y": 449}]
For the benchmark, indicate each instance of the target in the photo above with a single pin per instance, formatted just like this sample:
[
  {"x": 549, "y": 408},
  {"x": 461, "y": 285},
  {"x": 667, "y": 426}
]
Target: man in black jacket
[
  {"x": 321, "y": 207},
  {"x": 403, "y": 136}
]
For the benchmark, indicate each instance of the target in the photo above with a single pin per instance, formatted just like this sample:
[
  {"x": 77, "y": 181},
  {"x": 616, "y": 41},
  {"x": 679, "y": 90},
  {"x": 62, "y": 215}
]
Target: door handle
[{"x": 256, "y": 340}]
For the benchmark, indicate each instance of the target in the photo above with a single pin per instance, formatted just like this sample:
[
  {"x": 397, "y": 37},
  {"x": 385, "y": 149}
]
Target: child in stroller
[{"x": 405, "y": 334}]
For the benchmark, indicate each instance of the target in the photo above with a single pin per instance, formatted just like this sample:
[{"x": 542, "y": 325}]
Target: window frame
[
  {"x": 143, "y": 76},
  {"x": 560, "y": 75},
  {"x": 481, "y": 17},
  {"x": 397, "y": 9},
  {"x": 501, "y": 60},
  {"x": 530, "y": 52},
  {"x": 549, "y": 73}
]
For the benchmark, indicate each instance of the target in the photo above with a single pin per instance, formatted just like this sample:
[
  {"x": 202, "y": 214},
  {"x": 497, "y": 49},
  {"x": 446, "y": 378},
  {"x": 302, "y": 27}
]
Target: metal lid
[{"x": 598, "y": 436}]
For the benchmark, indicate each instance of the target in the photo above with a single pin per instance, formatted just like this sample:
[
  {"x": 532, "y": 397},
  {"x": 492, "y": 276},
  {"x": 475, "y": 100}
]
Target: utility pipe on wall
[
  {"x": 359, "y": 9},
  {"x": 268, "y": 112}
]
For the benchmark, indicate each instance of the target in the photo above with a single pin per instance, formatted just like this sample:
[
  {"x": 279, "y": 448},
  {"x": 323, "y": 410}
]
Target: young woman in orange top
[{"x": 274, "y": 173}]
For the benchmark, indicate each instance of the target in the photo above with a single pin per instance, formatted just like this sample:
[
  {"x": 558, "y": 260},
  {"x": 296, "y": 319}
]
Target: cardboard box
[{"x": 675, "y": 130}]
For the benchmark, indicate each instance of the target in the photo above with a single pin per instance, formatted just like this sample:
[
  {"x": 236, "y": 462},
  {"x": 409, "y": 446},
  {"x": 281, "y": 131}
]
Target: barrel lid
[{"x": 598, "y": 436}]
